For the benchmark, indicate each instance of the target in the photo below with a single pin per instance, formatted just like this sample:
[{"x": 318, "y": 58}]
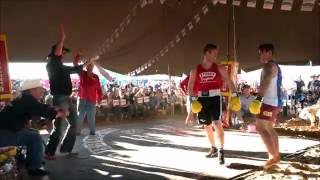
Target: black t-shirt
[
  {"x": 15, "y": 115},
  {"x": 313, "y": 84},
  {"x": 59, "y": 76},
  {"x": 126, "y": 97},
  {"x": 299, "y": 84},
  {"x": 309, "y": 102},
  {"x": 131, "y": 98}
]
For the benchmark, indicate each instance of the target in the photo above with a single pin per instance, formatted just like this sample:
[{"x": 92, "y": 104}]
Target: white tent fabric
[
  {"x": 155, "y": 77},
  {"x": 38, "y": 70},
  {"x": 24, "y": 71},
  {"x": 290, "y": 73}
]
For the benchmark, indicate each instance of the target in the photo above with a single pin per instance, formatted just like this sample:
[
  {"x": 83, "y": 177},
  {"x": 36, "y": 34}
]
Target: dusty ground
[
  {"x": 168, "y": 149},
  {"x": 302, "y": 165}
]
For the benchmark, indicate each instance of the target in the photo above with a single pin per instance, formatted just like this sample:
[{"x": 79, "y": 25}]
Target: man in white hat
[{"x": 15, "y": 117}]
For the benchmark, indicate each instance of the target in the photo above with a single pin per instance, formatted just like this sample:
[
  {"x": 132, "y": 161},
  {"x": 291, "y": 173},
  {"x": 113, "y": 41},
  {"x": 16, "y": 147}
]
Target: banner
[{"x": 5, "y": 85}]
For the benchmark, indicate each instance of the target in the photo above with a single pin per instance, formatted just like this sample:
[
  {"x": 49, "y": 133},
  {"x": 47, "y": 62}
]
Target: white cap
[{"x": 30, "y": 84}]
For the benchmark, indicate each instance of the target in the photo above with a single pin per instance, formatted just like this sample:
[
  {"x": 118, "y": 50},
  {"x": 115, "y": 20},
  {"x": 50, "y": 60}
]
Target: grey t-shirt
[{"x": 245, "y": 101}]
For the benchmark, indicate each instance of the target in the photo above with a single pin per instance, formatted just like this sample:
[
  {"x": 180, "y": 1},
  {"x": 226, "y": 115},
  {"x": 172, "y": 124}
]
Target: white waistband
[{"x": 210, "y": 93}]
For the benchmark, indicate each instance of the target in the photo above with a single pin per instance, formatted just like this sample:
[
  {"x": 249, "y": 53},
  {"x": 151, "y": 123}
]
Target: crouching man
[
  {"x": 15, "y": 118},
  {"x": 243, "y": 115}
]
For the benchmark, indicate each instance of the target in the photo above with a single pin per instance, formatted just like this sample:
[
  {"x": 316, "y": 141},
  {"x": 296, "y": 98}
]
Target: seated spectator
[
  {"x": 152, "y": 102},
  {"x": 245, "y": 99},
  {"x": 106, "y": 105},
  {"x": 15, "y": 118},
  {"x": 309, "y": 101},
  {"x": 147, "y": 101},
  {"x": 164, "y": 98},
  {"x": 116, "y": 110},
  {"x": 149, "y": 91},
  {"x": 157, "y": 97},
  {"x": 124, "y": 103},
  {"x": 139, "y": 103},
  {"x": 133, "y": 91},
  {"x": 107, "y": 100},
  {"x": 140, "y": 93}
]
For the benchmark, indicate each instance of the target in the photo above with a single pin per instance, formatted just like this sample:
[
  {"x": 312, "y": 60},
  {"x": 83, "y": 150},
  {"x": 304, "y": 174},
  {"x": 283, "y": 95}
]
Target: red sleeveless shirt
[{"x": 208, "y": 79}]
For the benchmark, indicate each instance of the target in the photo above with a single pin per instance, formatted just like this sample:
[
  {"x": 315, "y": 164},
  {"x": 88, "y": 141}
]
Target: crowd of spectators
[
  {"x": 302, "y": 101},
  {"x": 305, "y": 100},
  {"x": 132, "y": 100}
]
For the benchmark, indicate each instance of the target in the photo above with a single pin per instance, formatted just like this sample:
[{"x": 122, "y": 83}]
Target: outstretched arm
[
  {"x": 59, "y": 45},
  {"x": 103, "y": 72},
  {"x": 76, "y": 57}
]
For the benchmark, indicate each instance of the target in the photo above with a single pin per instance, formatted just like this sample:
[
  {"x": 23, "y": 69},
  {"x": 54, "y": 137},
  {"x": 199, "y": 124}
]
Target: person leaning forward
[
  {"x": 14, "y": 120},
  {"x": 61, "y": 89}
]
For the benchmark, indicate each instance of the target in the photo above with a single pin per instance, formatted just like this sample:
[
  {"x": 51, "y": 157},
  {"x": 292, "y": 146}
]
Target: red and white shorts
[{"x": 268, "y": 112}]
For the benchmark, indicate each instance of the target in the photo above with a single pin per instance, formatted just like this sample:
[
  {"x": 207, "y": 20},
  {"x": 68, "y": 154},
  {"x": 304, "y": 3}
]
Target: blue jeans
[
  {"x": 87, "y": 108},
  {"x": 29, "y": 138},
  {"x": 69, "y": 139}
]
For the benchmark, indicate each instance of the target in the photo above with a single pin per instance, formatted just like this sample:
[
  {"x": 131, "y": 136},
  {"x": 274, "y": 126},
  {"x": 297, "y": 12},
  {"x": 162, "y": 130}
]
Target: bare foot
[
  {"x": 188, "y": 120},
  {"x": 271, "y": 162}
]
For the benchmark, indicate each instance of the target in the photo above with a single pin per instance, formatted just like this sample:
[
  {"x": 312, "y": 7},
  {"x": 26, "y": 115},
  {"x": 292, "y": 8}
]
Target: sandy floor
[{"x": 164, "y": 149}]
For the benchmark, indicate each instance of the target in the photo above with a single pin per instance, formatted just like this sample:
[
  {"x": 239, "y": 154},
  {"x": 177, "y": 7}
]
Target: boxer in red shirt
[{"x": 204, "y": 85}]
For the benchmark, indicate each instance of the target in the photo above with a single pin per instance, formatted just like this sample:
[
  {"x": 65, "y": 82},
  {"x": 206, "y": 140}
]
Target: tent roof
[{"x": 31, "y": 28}]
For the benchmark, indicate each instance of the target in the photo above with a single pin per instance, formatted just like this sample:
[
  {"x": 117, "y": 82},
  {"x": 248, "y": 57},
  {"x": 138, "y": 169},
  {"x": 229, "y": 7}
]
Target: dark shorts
[
  {"x": 268, "y": 112},
  {"x": 211, "y": 110}
]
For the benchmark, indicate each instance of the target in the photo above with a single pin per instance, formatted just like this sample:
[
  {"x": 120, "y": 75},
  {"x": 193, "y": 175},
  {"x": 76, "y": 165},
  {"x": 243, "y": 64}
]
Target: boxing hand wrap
[
  {"x": 235, "y": 102},
  {"x": 255, "y": 105},
  {"x": 235, "y": 94},
  {"x": 195, "y": 104},
  {"x": 193, "y": 98},
  {"x": 259, "y": 98}
]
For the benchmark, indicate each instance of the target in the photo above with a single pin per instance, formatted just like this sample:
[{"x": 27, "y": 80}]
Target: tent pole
[
  {"x": 234, "y": 35},
  {"x": 228, "y": 33},
  {"x": 1, "y": 15},
  {"x": 169, "y": 78},
  {"x": 318, "y": 31}
]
